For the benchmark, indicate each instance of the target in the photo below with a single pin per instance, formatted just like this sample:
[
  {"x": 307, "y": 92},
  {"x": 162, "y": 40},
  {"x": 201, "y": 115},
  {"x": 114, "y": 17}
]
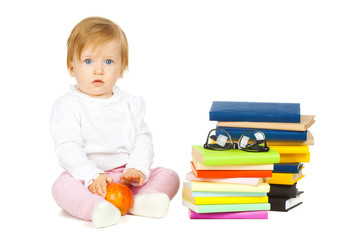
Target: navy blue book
[
  {"x": 270, "y": 134},
  {"x": 255, "y": 112},
  {"x": 287, "y": 167}
]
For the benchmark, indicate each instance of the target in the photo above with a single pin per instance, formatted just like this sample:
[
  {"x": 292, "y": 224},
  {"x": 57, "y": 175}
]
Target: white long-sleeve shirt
[{"x": 94, "y": 135}]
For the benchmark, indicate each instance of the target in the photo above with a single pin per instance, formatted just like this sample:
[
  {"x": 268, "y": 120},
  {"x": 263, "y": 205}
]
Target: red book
[{"x": 230, "y": 173}]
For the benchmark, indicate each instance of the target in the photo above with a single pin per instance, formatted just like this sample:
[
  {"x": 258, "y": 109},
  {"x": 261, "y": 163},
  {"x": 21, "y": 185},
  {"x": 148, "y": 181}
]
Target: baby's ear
[
  {"x": 121, "y": 74},
  {"x": 71, "y": 70}
]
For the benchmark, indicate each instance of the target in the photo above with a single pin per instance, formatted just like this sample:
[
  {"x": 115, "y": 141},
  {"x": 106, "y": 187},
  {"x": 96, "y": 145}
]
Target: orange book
[{"x": 230, "y": 173}]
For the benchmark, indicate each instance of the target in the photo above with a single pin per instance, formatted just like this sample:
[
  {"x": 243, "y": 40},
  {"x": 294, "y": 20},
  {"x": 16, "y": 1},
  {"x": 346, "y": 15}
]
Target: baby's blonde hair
[{"x": 95, "y": 31}]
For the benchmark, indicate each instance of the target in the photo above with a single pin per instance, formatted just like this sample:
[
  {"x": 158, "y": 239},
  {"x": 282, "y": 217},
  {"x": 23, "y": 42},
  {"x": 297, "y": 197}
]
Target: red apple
[{"x": 120, "y": 196}]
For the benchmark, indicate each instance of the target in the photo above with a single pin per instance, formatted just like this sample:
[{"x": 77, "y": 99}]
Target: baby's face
[{"x": 98, "y": 69}]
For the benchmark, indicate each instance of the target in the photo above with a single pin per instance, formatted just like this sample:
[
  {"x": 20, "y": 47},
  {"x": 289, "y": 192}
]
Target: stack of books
[
  {"x": 228, "y": 184},
  {"x": 286, "y": 131}
]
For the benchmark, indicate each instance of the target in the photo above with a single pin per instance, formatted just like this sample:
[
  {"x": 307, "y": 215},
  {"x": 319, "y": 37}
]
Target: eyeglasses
[{"x": 250, "y": 141}]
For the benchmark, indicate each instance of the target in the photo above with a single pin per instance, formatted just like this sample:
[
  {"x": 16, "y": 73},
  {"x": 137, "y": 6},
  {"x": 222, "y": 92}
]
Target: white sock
[
  {"x": 153, "y": 205},
  {"x": 105, "y": 214}
]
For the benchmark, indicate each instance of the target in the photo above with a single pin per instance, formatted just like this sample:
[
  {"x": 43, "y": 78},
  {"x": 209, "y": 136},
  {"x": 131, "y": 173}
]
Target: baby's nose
[{"x": 98, "y": 69}]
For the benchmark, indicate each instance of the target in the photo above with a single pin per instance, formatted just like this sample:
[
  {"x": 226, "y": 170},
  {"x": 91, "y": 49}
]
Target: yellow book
[
  {"x": 285, "y": 178},
  {"x": 291, "y": 149},
  {"x": 223, "y": 200},
  {"x": 227, "y": 187},
  {"x": 292, "y": 154},
  {"x": 294, "y": 158}
]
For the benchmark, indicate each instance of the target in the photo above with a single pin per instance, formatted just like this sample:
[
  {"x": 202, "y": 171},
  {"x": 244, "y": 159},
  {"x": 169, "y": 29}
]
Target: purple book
[{"x": 230, "y": 215}]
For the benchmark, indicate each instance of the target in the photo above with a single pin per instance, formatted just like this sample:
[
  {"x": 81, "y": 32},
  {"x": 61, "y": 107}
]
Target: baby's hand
[
  {"x": 99, "y": 184},
  {"x": 132, "y": 175}
]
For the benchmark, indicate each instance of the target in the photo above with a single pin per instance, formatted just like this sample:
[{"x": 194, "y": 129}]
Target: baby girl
[{"x": 100, "y": 135}]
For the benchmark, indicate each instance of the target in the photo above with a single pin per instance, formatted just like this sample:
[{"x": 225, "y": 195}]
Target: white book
[
  {"x": 248, "y": 181},
  {"x": 227, "y": 187}
]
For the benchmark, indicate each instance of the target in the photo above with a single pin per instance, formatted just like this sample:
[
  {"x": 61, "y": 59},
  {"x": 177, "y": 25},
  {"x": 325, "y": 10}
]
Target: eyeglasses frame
[{"x": 236, "y": 145}]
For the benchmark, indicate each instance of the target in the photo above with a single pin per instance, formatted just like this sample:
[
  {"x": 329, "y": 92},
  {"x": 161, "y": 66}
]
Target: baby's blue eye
[
  {"x": 108, "y": 61},
  {"x": 88, "y": 61}
]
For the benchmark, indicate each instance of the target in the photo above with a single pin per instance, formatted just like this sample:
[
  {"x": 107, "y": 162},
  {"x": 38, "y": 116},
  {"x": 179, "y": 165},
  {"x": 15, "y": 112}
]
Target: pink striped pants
[{"x": 72, "y": 196}]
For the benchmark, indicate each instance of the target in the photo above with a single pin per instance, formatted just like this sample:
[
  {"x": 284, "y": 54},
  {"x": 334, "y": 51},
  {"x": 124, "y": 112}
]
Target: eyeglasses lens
[
  {"x": 219, "y": 140},
  {"x": 252, "y": 141}
]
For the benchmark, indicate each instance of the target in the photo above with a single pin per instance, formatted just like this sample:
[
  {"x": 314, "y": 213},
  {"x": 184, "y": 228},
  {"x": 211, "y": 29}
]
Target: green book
[
  {"x": 233, "y": 156},
  {"x": 241, "y": 207}
]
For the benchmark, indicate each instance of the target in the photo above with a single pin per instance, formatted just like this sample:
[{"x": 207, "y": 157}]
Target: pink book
[{"x": 230, "y": 215}]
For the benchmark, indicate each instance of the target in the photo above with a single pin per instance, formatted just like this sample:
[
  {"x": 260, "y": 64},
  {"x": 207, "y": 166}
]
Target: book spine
[
  {"x": 285, "y": 191},
  {"x": 200, "y": 166},
  {"x": 222, "y": 117},
  {"x": 246, "y": 181},
  {"x": 270, "y": 134},
  {"x": 291, "y": 149},
  {"x": 228, "y": 200},
  {"x": 254, "y": 111},
  {"x": 265, "y": 125},
  {"x": 254, "y": 158},
  {"x": 228, "y": 187},
  {"x": 232, "y": 173},
  {"x": 242, "y": 207},
  {"x": 229, "y": 215},
  {"x": 291, "y": 168},
  {"x": 285, "y": 180}
]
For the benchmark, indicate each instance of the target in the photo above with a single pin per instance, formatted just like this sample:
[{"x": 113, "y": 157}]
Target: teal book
[
  {"x": 233, "y": 156},
  {"x": 212, "y": 208}
]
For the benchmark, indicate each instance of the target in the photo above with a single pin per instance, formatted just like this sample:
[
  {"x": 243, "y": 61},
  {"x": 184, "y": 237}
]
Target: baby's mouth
[{"x": 97, "y": 81}]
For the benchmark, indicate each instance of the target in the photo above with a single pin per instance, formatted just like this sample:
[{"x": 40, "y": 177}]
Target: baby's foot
[
  {"x": 153, "y": 205},
  {"x": 105, "y": 214}
]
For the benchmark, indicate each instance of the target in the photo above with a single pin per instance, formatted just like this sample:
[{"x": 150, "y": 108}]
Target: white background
[{"x": 183, "y": 56}]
